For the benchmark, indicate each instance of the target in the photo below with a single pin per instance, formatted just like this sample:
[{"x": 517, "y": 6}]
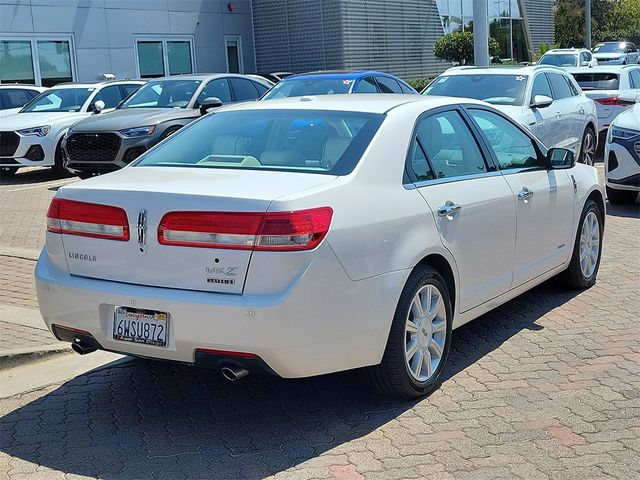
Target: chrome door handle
[
  {"x": 581, "y": 110},
  {"x": 525, "y": 194},
  {"x": 558, "y": 115},
  {"x": 449, "y": 210}
]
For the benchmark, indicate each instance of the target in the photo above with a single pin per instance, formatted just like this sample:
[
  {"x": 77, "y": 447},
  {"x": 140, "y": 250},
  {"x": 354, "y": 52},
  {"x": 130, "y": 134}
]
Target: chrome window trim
[{"x": 457, "y": 178}]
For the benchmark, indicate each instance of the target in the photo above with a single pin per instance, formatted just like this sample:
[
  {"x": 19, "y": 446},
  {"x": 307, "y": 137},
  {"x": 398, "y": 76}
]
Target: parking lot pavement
[{"x": 546, "y": 386}]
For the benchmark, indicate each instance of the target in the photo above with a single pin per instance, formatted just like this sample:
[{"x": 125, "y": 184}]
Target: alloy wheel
[
  {"x": 425, "y": 333},
  {"x": 588, "y": 148},
  {"x": 589, "y": 244}
]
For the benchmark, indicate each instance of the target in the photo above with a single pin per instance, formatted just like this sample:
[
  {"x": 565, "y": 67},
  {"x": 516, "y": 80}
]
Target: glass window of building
[
  {"x": 233, "y": 47},
  {"x": 37, "y": 60},
  {"x": 163, "y": 57}
]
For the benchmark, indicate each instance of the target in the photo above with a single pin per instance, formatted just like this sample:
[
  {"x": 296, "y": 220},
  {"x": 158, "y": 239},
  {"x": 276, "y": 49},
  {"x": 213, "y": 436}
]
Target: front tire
[
  {"x": 587, "y": 250},
  {"x": 420, "y": 338},
  {"x": 621, "y": 197},
  {"x": 58, "y": 166},
  {"x": 588, "y": 147}
]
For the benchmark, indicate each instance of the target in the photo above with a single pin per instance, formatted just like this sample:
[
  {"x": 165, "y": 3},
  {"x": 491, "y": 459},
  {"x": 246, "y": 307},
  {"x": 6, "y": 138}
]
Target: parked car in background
[
  {"x": 622, "y": 153},
  {"x": 225, "y": 246},
  {"x": 332, "y": 82},
  {"x": 616, "y": 53},
  {"x": 604, "y": 84},
  {"x": 276, "y": 77},
  {"x": 159, "y": 109},
  {"x": 15, "y": 96},
  {"x": 33, "y": 137},
  {"x": 545, "y": 100},
  {"x": 569, "y": 57}
]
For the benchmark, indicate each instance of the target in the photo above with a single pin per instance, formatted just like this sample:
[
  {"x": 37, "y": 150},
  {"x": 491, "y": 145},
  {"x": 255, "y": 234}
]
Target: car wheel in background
[
  {"x": 587, "y": 249},
  {"x": 8, "y": 171},
  {"x": 588, "y": 147},
  {"x": 419, "y": 340},
  {"x": 58, "y": 166},
  {"x": 168, "y": 132},
  {"x": 624, "y": 197}
]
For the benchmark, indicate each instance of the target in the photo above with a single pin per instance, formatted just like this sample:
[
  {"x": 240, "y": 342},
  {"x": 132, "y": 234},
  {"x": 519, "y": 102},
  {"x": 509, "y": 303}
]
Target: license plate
[{"x": 141, "y": 326}]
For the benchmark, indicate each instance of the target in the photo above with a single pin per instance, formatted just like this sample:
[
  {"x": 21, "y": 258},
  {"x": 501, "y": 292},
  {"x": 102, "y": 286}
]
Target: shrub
[{"x": 458, "y": 47}]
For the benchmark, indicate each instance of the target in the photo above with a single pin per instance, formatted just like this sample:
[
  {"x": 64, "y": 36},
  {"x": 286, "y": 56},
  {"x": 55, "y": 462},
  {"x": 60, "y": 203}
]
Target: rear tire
[
  {"x": 621, "y": 197},
  {"x": 420, "y": 338},
  {"x": 587, "y": 250},
  {"x": 588, "y": 147}
]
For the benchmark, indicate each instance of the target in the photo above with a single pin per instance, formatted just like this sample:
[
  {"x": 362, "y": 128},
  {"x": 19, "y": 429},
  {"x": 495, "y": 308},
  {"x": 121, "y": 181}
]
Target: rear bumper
[{"x": 323, "y": 323}]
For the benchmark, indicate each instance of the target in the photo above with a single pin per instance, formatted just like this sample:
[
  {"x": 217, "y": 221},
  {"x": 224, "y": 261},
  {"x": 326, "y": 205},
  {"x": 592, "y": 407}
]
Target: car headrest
[
  {"x": 333, "y": 150},
  {"x": 230, "y": 145},
  {"x": 282, "y": 157}
]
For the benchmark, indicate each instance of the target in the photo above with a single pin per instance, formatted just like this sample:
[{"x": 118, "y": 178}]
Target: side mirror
[
  {"x": 98, "y": 106},
  {"x": 541, "y": 101},
  {"x": 560, "y": 158},
  {"x": 628, "y": 97},
  {"x": 209, "y": 102}
]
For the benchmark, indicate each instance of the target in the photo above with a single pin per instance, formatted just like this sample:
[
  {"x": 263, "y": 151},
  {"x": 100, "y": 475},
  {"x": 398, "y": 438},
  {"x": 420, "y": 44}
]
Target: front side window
[
  {"x": 511, "y": 147},
  {"x": 499, "y": 89},
  {"x": 299, "y": 87},
  {"x": 541, "y": 86},
  {"x": 367, "y": 85},
  {"x": 559, "y": 86},
  {"x": 309, "y": 141},
  {"x": 59, "y": 100},
  {"x": 218, "y": 88},
  {"x": 111, "y": 96},
  {"x": 388, "y": 85},
  {"x": 163, "y": 94},
  {"x": 449, "y": 147}
]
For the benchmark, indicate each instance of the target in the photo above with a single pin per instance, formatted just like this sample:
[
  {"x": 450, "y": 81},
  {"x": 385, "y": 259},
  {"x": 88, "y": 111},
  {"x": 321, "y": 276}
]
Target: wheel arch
[
  {"x": 443, "y": 266},
  {"x": 596, "y": 196}
]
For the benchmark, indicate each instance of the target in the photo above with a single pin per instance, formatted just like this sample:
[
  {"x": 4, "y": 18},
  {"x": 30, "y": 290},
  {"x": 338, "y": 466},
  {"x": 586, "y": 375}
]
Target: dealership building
[{"x": 51, "y": 41}]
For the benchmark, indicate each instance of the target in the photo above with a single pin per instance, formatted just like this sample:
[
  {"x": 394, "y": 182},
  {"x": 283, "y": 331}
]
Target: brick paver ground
[
  {"x": 16, "y": 278},
  {"x": 13, "y": 336},
  {"x": 546, "y": 386}
]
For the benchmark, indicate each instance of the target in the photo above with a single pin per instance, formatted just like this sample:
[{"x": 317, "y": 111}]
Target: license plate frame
[{"x": 129, "y": 326}]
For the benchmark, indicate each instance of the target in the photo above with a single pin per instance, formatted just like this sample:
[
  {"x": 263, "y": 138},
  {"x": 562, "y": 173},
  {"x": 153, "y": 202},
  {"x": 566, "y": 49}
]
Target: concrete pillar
[
  {"x": 481, "y": 33},
  {"x": 587, "y": 14}
]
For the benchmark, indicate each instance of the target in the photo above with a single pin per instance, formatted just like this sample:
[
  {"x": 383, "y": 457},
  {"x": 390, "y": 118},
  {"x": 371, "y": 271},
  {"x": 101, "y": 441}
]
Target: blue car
[{"x": 334, "y": 82}]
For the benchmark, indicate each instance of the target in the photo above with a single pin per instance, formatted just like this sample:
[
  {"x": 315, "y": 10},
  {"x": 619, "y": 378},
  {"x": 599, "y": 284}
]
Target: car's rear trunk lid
[{"x": 146, "y": 194}]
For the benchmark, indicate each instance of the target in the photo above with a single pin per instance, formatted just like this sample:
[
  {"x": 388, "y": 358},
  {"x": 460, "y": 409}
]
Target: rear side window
[
  {"x": 406, "y": 88},
  {"x": 448, "y": 147},
  {"x": 388, "y": 85},
  {"x": 559, "y": 86},
  {"x": 310, "y": 141},
  {"x": 243, "y": 89},
  {"x": 634, "y": 76},
  {"x": 598, "y": 81}
]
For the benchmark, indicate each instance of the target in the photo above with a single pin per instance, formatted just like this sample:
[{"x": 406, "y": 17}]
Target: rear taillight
[
  {"x": 280, "y": 231},
  {"x": 611, "y": 101},
  {"x": 87, "y": 219}
]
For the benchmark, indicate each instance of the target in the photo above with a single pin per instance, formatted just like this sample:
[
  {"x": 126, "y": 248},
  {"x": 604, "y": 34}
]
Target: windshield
[
  {"x": 499, "y": 89},
  {"x": 311, "y": 141},
  {"x": 609, "y": 48},
  {"x": 59, "y": 100},
  {"x": 560, "y": 59},
  {"x": 309, "y": 86},
  {"x": 598, "y": 81},
  {"x": 163, "y": 94}
]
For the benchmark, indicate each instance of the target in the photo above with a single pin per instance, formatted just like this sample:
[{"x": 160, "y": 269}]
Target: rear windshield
[
  {"x": 499, "y": 89},
  {"x": 609, "y": 48},
  {"x": 560, "y": 59},
  {"x": 311, "y": 141},
  {"x": 59, "y": 100},
  {"x": 309, "y": 86},
  {"x": 163, "y": 94},
  {"x": 598, "y": 81}
]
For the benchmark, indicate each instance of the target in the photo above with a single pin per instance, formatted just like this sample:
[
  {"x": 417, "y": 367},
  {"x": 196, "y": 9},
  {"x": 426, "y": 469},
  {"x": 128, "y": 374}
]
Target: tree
[{"x": 458, "y": 47}]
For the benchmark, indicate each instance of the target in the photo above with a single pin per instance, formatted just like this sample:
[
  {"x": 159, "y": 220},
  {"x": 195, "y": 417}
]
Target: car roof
[
  {"x": 507, "y": 70},
  {"x": 601, "y": 68},
  {"x": 21, "y": 85},
  {"x": 364, "y": 102},
  {"x": 337, "y": 74},
  {"x": 95, "y": 84},
  {"x": 200, "y": 76},
  {"x": 566, "y": 50}
]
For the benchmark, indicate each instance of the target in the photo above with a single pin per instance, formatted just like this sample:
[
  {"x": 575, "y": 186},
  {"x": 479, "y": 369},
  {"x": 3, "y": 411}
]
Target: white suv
[
  {"x": 569, "y": 57},
  {"x": 15, "y": 96},
  {"x": 622, "y": 154},
  {"x": 545, "y": 100},
  {"x": 33, "y": 136}
]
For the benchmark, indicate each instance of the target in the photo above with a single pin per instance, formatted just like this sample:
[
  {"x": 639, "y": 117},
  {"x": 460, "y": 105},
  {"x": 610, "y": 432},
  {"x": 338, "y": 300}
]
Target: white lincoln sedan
[{"x": 311, "y": 235}]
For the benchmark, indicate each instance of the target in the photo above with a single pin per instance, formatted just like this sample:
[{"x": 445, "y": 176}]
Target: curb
[{"x": 21, "y": 356}]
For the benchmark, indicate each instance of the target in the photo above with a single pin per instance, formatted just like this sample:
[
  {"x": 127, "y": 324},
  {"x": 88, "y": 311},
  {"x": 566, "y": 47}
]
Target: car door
[
  {"x": 472, "y": 204},
  {"x": 567, "y": 115},
  {"x": 545, "y": 124},
  {"x": 544, "y": 197}
]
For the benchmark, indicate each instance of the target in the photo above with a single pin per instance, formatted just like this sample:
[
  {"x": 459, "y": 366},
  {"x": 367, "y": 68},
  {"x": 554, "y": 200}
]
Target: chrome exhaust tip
[
  {"x": 82, "y": 348},
  {"x": 232, "y": 373}
]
